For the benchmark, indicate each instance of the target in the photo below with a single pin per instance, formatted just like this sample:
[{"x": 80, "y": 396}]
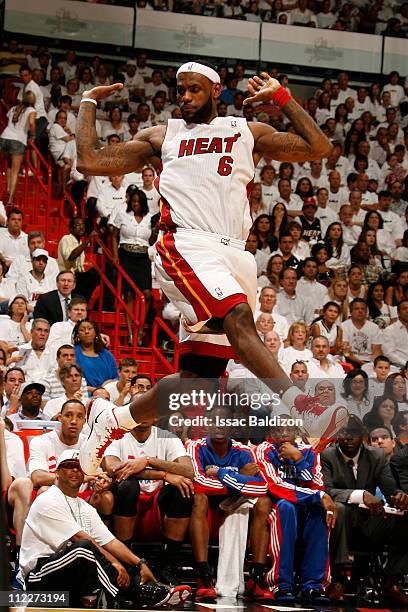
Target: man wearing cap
[
  {"x": 352, "y": 472},
  {"x": 66, "y": 547},
  {"x": 35, "y": 283},
  {"x": 22, "y": 264},
  {"x": 311, "y": 229},
  {"x": 31, "y": 397},
  {"x": 208, "y": 162},
  {"x": 133, "y": 81}
]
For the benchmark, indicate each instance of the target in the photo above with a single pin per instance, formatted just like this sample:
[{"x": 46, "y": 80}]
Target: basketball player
[{"x": 208, "y": 165}]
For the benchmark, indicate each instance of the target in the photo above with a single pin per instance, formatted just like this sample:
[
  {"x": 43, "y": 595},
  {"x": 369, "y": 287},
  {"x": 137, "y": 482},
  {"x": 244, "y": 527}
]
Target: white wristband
[{"x": 89, "y": 100}]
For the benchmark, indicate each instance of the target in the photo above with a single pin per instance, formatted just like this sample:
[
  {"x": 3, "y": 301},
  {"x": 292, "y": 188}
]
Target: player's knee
[
  {"x": 237, "y": 323},
  {"x": 180, "y": 507},
  {"x": 127, "y": 497},
  {"x": 287, "y": 507},
  {"x": 22, "y": 489},
  {"x": 200, "y": 504},
  {"x": 263, "y": 507}
]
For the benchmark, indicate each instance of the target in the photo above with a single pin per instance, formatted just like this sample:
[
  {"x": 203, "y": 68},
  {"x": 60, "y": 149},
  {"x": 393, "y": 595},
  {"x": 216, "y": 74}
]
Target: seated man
[
  {"x": 119, "y": 391},
  {"x": 53, "y": 305},
  {"x": 295, "y": 497},
  {"x": 53, "y": 385},
  {"x": 71, "y": 379},
  {"x": 13, "y": 379},
  {"x": 147, "y": 462},
  {"x": 222, "y": 467},
  {"x": 352, "y": 472},
  {"x": 66, "y": 547},
  {"x": 22, "y": 264},
  {"x": 17, "y": 488},
  {"x": 34, "y": 357},
  {"x": 31, "y": 399},
  {"x": 322, "y": 364},
  {"x": 34, "y": 283}
]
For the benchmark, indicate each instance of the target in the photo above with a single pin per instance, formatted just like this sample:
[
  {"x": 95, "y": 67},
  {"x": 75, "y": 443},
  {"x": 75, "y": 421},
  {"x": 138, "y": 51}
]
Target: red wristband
[{"x": 281, "y": 97}]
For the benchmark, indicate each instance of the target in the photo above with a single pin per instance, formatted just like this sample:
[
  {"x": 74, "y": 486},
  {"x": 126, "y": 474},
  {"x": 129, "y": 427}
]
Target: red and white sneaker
[
  {"x": 256, "y": 591},
  {"x": 178, "y": 594},
  {"x": 104, "y": 429},
  {"x": 205, "y": 593}
]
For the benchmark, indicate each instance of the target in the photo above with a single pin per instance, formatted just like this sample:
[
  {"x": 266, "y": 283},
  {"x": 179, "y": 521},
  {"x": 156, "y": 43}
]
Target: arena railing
[{"x": 40, "y": 198}]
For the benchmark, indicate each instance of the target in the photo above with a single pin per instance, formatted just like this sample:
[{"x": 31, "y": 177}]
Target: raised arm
[
  {"x": 307, "y": 144},
  {"x": 113, "y": 159}
]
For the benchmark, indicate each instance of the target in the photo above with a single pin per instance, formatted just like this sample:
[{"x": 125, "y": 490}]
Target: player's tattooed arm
[
  {"x": 308, "y": 143},
  {"x": 115, "y": 159}
]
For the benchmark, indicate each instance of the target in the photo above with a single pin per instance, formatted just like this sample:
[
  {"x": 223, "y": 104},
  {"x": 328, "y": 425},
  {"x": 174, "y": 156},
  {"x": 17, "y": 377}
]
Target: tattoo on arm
[{"x": 108, "y": 160}]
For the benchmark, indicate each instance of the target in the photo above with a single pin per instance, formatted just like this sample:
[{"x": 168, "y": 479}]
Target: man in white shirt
[
  {"x": 156, "y": 85},
  {"x": 36, "y": 359},
  {"x": 345, "y": 90},
  {"x": 367, "y": 197},
  {"x": 120, "y": 391},
  {"x": 316, "y": 175},
  {"x": 363, "y": 336},
  {"x": 71, "y": 379},
  {"x": 322, "y": 365},
  {"x": 65, "y": 355},
  {"x": 142, "y": 68},
  {"x": 373, "y": 170},
  {"x": 152, "y": 195},
  {"x": 144, "y": 460},
  {"x": 325, "y": 213},
  {"x": 159, "y": 115},
  {"x": 302, "y": 15},
  {"x": 359, "y": 214},
  {"x": 309, "y": 288},
  {"x": 291, "y": 200},
  {"x": 13, "y": 241},
  {"x": 68, "y": 67},
  {"x": 269, "y": 191},
  {"x": 362, "y": 102},
  {"x": 71, "y": 256},
  {"x": 267, "y": 305},
  {"x": 134, "y": 81},
  {"x": 62, "y": 530},
  {"x": 351, "y": 232},
  {"x": 13, "y": 379},
  {"x": 395, "y": 337},
  {"x": 392, "y": 222},
  {"x": 31, "y": 399},
  {"x": 22, "y": 265},
  {"x": 111, "y": 196},
  {"x": 33, "y": 284},
  {"x": 337, "y": 195},
  {"x": 41, "y": 120},
  {"x": 290, "y": 302},
  {"x": 396, "y": 91}
]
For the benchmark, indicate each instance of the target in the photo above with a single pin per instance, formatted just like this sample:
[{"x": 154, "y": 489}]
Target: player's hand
[
  {"x": 127, "y": 468},
  {"x": 146, "y": 574},
  {"x": 331, "y": 510},
  {"x": 102, "y": 92},
  {"x": 400, "y": 501},
  {"x": 374, "y": 505},
  {"x": 102, "y": 482},
  {"x": 288, "y": 451},
  {"x": 184, "y": 485},
  {"x": 261, "y": 89},
  {"x": 211, "y": 471},
  {"x": 123, "y": 579},
  {"x": 250, "y": 469}
]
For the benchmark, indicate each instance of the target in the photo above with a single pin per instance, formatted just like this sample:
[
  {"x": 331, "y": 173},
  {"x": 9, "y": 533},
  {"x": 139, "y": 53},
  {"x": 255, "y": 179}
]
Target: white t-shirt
[
  {"x": 10, "y": 331},
  {"x": 57, "y": 142},
  {"x": 160, "y": 444},
  {"x": 361, "y": 340},
  {"x": 46, "y": 449},
  {"x": 153, "y": 199},
  {"x": 19, "y": 130},
  {"x": 113, "y": 391},
  {"x": 39, "y": 98},
  {"x": 15, "y": 455},
  {"x": 52, "y": 520},
  {"x": 54, "y": 405},
  {"x": 290, "y": 355},
  {"x": 32, "y": 288}
]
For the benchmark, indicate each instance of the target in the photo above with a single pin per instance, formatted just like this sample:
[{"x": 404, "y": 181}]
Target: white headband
[{"x": 206, "y": 71}]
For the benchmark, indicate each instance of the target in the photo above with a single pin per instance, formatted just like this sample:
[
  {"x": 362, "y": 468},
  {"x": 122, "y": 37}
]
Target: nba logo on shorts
[
  {"x": 218, "y": 292},
  {"x": 225, "y": 241}
]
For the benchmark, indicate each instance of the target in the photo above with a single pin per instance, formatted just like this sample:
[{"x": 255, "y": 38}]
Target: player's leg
[
  {"x": 315, "y": 563},
  {"x": 199, "y": 535},
  {"x": 283, "y": 526}
]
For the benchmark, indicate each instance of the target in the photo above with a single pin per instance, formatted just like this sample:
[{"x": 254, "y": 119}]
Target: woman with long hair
[
  {"x": 97, "y": 363},
  {"x": 338, "y": 292},
  {"x": 132, "y": 236},
  {"x": 384, "y": 413},
  {"x": 396, "y": 292},
  {"x": 85, "y": 79},
  {"x": 286, "y": 171},
  {"x": 379, "y": 311},
  {"x": 13, "y": 140},
  {"x": 273, "y": 269},
  {"x": 396, "y": 387},
  {"x": 256, "y": 204},
  {"x": 355, "y": 282},
  {"x": 296, "y": 350},
  {"x": 326, "y": 325},
  {"x": 15, "y": 329},
  {"x": 322, "y": 254},
  {"x": 263, "y": 231},
  {"x": 360, "y": 256},
  {"x": 323, "y": 109},
  {"x": 304, "y": 188},
  {"x": 355, "y": 392},
  {"x": 374, "y": 220},
  {"x": 301, "y": 248},
  {"x": 115, "y": 125},
  {"x": 342, "y": 122},
  {"x": 351, "y": 142},
  {"x": 279, "y": 220},
  {"x": 369, "y": 236},
  {"x": 340, "y": 258},
  {"x": 374, "y": 93}
]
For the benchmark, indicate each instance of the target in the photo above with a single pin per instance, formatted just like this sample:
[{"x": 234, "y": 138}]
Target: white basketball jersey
[{"x": 207, "y": 169}]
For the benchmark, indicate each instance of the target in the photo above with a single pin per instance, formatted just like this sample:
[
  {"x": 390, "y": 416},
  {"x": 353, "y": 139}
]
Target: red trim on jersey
[
  {"x": 207, "y": 348},
  {"x": 215, "y": 308},
  {"x": 166, "y": 222}
]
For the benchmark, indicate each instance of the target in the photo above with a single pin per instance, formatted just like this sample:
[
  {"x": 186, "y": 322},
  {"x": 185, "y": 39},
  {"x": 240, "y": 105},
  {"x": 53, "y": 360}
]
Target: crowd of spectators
[{"x": 330, "y": 239}]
